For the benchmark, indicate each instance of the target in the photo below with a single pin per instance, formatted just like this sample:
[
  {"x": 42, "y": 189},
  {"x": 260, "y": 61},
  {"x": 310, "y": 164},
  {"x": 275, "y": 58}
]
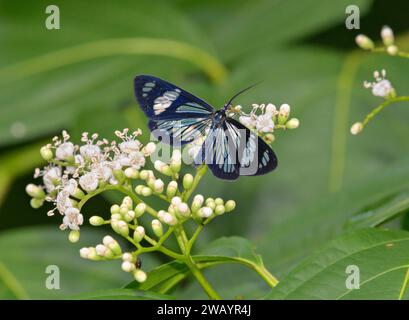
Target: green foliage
[
  {"x": 382, "y": 258},
  {"x": 225, "y": 250}
]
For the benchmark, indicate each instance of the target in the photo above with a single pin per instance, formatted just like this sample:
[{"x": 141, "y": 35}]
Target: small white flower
[
  {"x": 69, "y": 186},
  {"x": 90, "y": 151},
  {"x": 72, "y": 219},
  {"x": 51, "y": 175},
  {"x": 271, "y": 109},
  {"x": 89, "y": 181},
  {"x": 102, "y": 170},
  {"x": 65, "y": 150},
  {"x": 63, "y": 201},
  {"x": 265, "y": 123},
  {"x": 248, "y": 121},
  {"x": 130, "y": 146},
  {"x": 381, "y": 87}
]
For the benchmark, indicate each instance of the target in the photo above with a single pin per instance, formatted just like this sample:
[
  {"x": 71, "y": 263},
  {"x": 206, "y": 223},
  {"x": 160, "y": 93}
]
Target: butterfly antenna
[{"x": 239, "y": 93}]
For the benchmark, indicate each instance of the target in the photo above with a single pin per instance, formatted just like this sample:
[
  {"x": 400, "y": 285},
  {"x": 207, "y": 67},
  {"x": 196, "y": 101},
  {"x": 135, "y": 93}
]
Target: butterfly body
[{"x": 177, "y": 117}]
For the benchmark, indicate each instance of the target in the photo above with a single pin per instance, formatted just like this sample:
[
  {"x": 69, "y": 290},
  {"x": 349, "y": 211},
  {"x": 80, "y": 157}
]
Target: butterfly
[{"x": 177, "y": 117}]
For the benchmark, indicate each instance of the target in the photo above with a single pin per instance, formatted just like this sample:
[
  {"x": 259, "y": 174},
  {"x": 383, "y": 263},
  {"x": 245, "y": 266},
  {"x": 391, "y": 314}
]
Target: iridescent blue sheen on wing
[{"x": 162, "y": 100}]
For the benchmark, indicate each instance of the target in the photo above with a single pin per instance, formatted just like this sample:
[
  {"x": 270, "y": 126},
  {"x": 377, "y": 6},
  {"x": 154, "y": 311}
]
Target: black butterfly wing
[
  {"x": 175, "y": 115},
  {"x": 160, "y": 99},
  {"x": 232, "y": 150}
]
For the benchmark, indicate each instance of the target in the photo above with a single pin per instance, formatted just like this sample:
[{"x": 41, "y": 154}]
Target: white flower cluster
[
  {"x": 266, "y": 118},
  {"x": 381, "y": 87},
  {"x": 124, "y": 221},
  {"x": 74, "y": 171}
]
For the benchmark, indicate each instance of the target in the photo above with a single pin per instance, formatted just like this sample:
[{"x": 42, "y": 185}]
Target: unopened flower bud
[
  {"x": 167, "y": 218},
  {"x": 387, "y": 36},
  {"x": 128, "y": 202},
  {"x": 176, "y": 201},
  {"x": 356, "y": 128},
  {"x": 129, "y": 216},
  {"x": 128, "y": 266},
  {"x": 140, "y": 209},
  {"x": 92, "y": 254},
  {"x": 269, "y": 138},
  {"x": 116, "y": 217},
  {"x": 123, "y": 209},
  {"x": 364, "y": 42},
  {"x": 150, "y": 148},
  {"x": 139, "y": 233},
  {"x": 230, "y": 205},
  {"x": 172, "y": 189},
  {"x": 210, "y": 203},
  {"x": 78, "y": 193},
  {"x": 392, "y": 50},
  {"x": 115, "y": 209},
  {"x": 112, "y": 244},
  {"x": 46, "y": 153},
  {"x": 146, "y": 191},
  {"x": 197, "y": 203},
  {"x": 158, "y": 186},
  {"x": 96, "y": 221},
  {"x": 205, "y": 212},
  {"x": 183, "y": 209},
  {"x": 36, "y": 203},
  {"x": 139, "y": 275},
  {"x": 120, "y": 227},
  {"x": 138, "y": 188},
  {"x": 84, "y": 253},
  {"x": 293, "y": 123},
  {"x": 144, "y": 174},
  {"x": 35, "y": 191},
  {"x": 131, "y": 173},
  {"x": 74, "y": 236},
  {"x": 283, "y": 113},
  {"x": 219, "y": 209},
  {"x": 218, "y": 201},
  {"x": 157, "y": 228},
  {"x": 176, "y": 161},
  {"x": 127, "y": 257},
  {"x": 163, "y": 168},
  {"x": 187, "y": 181},
  {"x": 119, "y": 175}
]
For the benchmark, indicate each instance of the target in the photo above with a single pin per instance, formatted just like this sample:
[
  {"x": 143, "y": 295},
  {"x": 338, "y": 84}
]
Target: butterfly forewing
[{"x": 162, "y": 100}]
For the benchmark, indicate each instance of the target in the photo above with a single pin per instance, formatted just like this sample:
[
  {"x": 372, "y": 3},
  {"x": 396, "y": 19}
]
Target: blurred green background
[{"x": 67, "y": 79}]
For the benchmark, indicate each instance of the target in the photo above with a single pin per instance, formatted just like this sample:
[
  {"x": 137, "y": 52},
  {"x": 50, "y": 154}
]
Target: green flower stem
[
  {"x": 202, "y": 280},
  {"x": 401, "y": 54},
  {"x": 201, "y": 171},
  {"x": 379, "y": 108},
  {"x": 196, "y": 234}
]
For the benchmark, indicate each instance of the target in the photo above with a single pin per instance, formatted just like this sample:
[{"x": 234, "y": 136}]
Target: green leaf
[
  {"x": 394, "y": 206},
  {"x": 266, "y": 22},
  {"x": 121, "y": 294},
  {"x": 90, "y": 62},
  {"x": 221, "y": 251},
  {"x": 382, "y": 257},
  {"x": 25, "y": 253}
]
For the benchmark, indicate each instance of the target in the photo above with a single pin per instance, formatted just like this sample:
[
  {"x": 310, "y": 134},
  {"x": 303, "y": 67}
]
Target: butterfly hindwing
[{"x": 232, "y": 150}]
